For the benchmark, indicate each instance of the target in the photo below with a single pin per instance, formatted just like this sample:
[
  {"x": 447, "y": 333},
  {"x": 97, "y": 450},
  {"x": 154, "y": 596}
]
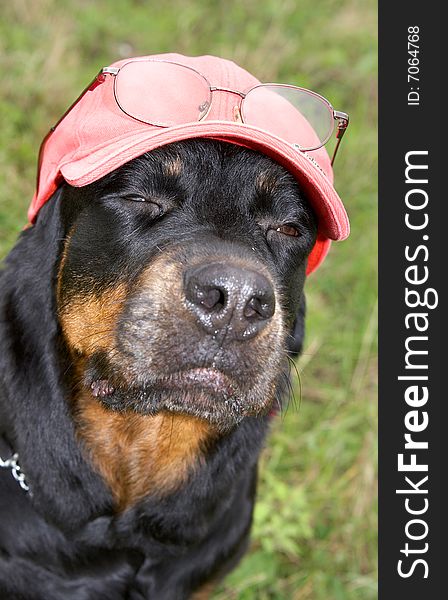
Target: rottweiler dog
[{"x": 147, "y": 320}]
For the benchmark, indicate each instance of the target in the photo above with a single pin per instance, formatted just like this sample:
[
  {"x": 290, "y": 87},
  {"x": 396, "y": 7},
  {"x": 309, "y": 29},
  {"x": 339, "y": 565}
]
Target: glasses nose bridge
[
  {"x": 225, "y": 103},
  {"x": 217, "y": 88}
]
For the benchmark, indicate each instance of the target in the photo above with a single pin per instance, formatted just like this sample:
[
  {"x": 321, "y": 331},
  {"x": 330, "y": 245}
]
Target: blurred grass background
[{"x": 315, "y": 524}]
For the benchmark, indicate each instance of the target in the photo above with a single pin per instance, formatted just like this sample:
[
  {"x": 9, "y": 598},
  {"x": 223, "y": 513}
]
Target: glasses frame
[{"x": 339, "y": 117}]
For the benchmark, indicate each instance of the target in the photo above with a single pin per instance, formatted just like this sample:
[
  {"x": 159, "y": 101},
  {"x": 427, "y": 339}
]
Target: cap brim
[{"x": 80, "y": 170}]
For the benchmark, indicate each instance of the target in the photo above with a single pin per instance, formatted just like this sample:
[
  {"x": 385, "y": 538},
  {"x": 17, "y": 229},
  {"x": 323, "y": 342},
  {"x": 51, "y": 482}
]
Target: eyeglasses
[{"x": 165, "y": 94}]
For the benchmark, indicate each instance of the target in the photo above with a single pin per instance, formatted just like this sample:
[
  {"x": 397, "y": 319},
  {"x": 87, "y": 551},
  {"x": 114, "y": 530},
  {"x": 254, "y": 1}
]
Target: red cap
[{"x": 96, "y": 137}]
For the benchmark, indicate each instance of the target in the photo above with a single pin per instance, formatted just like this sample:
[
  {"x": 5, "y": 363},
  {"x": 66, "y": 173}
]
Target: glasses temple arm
[{"x": 343, "y": 120}]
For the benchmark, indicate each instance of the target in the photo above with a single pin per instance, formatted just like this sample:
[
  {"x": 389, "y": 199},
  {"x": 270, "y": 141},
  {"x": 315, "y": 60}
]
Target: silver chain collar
[{"x": 13, "y": 464}]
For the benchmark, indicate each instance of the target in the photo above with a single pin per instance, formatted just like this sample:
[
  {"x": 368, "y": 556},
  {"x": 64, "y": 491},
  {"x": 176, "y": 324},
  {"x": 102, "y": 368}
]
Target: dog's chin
[{"x": 203, "y": 393}]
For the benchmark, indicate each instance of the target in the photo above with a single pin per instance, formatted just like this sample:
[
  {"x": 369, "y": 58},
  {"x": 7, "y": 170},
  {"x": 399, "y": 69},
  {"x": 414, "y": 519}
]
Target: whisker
[{"x": 293, "y": 364}]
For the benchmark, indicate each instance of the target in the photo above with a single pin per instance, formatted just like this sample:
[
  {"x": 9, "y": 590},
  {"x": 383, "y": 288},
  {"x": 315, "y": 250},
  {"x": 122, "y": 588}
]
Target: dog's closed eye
[
  {"x": 137, "y": 198},
  {"x": 147, "y": 204}
]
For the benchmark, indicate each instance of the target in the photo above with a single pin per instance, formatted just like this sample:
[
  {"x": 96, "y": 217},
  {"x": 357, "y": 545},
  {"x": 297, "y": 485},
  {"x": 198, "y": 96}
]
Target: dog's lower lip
[{"x": 202, "y": 377}]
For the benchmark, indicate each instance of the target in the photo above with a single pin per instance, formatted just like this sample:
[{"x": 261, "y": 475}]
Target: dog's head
[
  {"x": 183, "y": 268},
  {"x": 181, "y": 278}
]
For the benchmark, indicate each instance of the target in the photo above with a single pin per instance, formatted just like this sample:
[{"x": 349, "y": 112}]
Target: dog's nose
[{"x": 230, "y": 299}]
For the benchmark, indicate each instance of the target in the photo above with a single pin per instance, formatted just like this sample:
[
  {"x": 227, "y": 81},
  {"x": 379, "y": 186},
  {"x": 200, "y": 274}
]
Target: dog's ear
[
  {"x": 33, "y": 388},
  {"x": 297, "y": 334}
]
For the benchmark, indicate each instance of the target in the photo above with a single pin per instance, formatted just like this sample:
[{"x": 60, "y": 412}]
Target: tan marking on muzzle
[
  {"x": 162, "y": 279},
  {"x": 88, "y": 323}
]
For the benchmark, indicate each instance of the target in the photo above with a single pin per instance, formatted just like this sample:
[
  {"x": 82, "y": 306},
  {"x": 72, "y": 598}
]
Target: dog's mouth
[
  {"x": 209, "y": 379},
  {"x": 203, "y": 392}
]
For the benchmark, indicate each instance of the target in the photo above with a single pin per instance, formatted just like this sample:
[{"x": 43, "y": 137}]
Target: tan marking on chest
[{"x": 139, "y": 455}]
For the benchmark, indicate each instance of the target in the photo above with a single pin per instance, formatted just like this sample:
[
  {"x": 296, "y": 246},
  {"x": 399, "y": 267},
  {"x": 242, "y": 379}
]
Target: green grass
[{"x": 315, "y": 522}]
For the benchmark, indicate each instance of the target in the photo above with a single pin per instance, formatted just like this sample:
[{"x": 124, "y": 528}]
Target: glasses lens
[
  {"x": 296, "y": 115},
  {"x": 162, "y": 93}
]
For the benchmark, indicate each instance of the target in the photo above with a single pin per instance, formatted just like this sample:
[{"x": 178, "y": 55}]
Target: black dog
[{"x": 146, "y": 322}]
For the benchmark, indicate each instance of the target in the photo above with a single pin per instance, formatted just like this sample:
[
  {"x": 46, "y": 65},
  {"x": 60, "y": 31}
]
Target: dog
[{"x": 147, "y": 321}]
